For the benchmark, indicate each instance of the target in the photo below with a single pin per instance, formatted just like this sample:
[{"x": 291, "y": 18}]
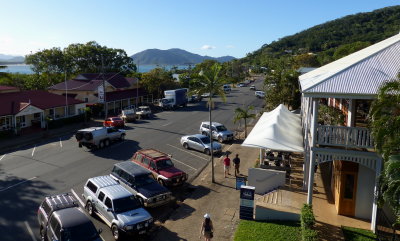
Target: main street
[{"x": 58, "y": 166}]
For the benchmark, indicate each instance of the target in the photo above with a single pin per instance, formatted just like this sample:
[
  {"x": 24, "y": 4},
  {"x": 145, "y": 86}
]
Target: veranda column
[
  {"x": 375, "y": 204},
  {"x": 314, "y": 123},
  {"x": 351, "y": 113}
]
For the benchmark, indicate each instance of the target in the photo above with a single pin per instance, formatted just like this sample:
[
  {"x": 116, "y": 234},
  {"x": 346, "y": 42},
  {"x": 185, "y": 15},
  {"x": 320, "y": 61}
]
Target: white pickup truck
[
  {"x": 143, "y": 112},
  {"x": 99, "y": 137}
]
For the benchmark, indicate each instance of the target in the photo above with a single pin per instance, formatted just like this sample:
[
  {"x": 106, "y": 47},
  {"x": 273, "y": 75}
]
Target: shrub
[{"x": 65, "y": 121}]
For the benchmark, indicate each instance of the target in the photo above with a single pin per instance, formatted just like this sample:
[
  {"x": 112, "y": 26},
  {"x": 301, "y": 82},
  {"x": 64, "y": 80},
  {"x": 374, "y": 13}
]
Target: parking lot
[{"x": 59, "y": 165}]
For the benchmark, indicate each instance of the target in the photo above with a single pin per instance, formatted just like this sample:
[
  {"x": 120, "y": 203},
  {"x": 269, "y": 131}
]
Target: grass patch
[
  {"x": 356, "y": 234},
  {"x": 273, "y": 230}
]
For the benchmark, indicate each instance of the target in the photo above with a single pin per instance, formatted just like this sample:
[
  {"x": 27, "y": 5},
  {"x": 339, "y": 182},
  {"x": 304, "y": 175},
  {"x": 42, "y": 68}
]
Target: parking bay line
[
  {"x": 2, "y": 157},
  {"x": 188, "y": 152},
  {"x": 184, "y": 164},
  {"x": 6, "y": 188},
  {"x": 30, "y": 231}
]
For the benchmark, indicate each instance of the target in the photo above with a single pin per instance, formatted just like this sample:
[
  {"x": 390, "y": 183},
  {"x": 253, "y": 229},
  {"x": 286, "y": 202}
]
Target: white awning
[{"x": 278, "y": 130}]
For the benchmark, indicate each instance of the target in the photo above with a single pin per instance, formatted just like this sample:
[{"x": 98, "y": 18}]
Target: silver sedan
[{"x": 200, "y": 143}]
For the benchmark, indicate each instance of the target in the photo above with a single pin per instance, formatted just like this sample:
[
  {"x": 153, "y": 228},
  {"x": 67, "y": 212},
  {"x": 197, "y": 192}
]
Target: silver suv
[
  {"x": 116, "y": 206},
  {"x": 219, "y": 131},
  {"x": 99, "y": 137}
]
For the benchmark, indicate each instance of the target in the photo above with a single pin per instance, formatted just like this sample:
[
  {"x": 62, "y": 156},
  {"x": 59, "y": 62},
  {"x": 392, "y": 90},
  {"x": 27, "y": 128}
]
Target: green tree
[
  {"x": 157, "y": 80},
  {"x": 244, "y": 114},
  {"x": 385, "y": 125},
  {"x": 209, "y": 81}
]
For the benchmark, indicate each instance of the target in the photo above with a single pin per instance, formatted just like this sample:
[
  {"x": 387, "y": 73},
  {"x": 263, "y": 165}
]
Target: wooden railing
[{"x": 344, "y": 136}]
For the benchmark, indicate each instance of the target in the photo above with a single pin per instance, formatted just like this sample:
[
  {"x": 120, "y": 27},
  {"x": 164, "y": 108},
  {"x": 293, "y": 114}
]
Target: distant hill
[
  {"x": 334, "y": 39},
  {"x": 4, "y": 58},
  {"x": 172, "y": 57}
]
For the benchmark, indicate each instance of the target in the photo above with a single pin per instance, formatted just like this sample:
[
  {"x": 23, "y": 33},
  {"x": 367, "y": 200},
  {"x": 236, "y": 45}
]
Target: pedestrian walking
[
  {"x": 207, "y": 229},
  {"x": 236, "y": 163},
  {"x": 227, "y": 165}
]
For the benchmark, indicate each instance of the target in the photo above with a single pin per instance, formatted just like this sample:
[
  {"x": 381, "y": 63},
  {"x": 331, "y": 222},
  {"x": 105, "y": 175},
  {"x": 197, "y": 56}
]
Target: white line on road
[
  {"x": 2, "y": 157},
  {"x": 17, "y": 184},
  {"x": 30, "y": 231},
  {"x": 169, "y": 123},
  {"x": 60, "y": 143},
  {"x": 188, "y": 152},
  {"x": 77, "y": 197},
  {"x": 33, "y": 151},
  {"x": 184, "y": 164}
]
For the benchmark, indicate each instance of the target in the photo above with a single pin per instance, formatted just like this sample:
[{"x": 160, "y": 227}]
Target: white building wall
[{"x": 365, "y": 192}]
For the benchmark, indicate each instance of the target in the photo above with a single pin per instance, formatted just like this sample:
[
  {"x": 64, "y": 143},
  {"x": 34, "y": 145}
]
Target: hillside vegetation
[{"x": 332, "y": 40}]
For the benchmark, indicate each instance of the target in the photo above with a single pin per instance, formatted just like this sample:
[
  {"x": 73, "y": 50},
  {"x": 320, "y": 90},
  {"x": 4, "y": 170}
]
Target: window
[
  {"x": 152, "y": 165},
  {"x": 86, "y": 100},
  {"x": 108, "y": 203},
  {"x": 101, "y": 196},
  {"x": 146, "y": 161},
  {"x": 124, "y": 175},
  {"x": 46, "y": 207},
  {"x": 139, "y": 157},
  {"x": 55, "y": 225},
  {"x": 349, "y": 186},
  {"x": 91, "y": 187}
]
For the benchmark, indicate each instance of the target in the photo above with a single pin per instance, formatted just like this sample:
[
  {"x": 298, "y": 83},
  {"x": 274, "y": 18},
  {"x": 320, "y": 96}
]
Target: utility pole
[
  {"x": 137, "y": 86},
  {"x": 104, "y": 88}
]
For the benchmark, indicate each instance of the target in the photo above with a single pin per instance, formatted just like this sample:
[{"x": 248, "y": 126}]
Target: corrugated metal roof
[{"x": 359, "y": 73}]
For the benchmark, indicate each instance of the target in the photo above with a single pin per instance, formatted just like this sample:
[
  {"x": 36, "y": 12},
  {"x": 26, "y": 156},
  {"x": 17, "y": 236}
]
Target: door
[
  {"x": 197, "y": 145},
  {"x": 53, "y": 229},
  {"x": 347, "y": 202}
]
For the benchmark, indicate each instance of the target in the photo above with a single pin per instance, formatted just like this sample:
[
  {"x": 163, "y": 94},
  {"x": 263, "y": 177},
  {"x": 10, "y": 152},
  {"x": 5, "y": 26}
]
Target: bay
[{"x": 26, "y": 69}]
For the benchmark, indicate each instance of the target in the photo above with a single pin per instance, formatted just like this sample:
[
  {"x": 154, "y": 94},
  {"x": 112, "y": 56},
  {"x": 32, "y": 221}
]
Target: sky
[{"x": 208, "y": 27}]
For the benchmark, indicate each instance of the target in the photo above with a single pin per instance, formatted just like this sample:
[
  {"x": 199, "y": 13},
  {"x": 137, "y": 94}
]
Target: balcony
[{"x": 350, "y": 137}]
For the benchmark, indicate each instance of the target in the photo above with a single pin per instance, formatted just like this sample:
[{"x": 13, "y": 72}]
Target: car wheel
[
  {"x": 185, "y": 145},
  {"x": 101, "y": 145},
  {"x": 115, "y": 232},
  {"x": 204, "y": 133},
  {"x": 89, "y": 208},
  {"x": 207, "y": 151},
  {"x": 162, "y": 183},
  {"x": 122, "y": 138},
  {"x": 140, "y": 200},
  {"x": 107, "y": 142},
  {"x": 42, "y": 234},
  {"x": 220, "y": 139}
]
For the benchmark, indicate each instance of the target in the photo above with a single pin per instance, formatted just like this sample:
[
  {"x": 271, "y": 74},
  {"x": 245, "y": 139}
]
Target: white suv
[{"x": 219, "y": 131}]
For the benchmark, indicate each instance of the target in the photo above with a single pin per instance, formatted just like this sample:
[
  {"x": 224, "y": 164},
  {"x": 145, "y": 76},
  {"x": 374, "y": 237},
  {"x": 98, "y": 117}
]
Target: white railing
[{"x": 344, "y": 136}]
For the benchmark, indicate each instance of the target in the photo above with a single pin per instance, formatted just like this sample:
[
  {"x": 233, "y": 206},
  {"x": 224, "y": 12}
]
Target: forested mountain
[
  {"x": 172, "y": 57},
  {"x": 334, "y": 39},
  {"x": 11, "y": 58}
]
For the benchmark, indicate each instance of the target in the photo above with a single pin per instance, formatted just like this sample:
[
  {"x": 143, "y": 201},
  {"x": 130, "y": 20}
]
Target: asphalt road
[{"x": 58, "y": 165}]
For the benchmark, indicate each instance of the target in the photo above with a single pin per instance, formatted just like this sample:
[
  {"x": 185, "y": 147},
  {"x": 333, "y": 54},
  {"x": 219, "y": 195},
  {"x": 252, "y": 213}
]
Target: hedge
[
  {"x": 307, "y": 220},
  {"x": 65, "y": 121}
]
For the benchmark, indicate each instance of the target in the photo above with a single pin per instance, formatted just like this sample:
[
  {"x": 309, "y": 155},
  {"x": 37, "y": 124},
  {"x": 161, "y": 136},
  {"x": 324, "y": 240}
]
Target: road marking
[
  {"x": 30, "y": 231},
  {"x": 188, "y": 152},
  {"x": 77, "y": 197},
  {"x": 2, "y": 157},
  {"x": 60, "y": 143},
  {"x": 33, "y": 151},
  {"x": 184, "y": 164},
  {"x": 17, "y": 184},
  {"x": 167, "y": 124}
]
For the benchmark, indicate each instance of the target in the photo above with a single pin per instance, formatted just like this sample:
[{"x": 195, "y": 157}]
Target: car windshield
[
  {"x": 205, "y": 140},
  {"x": 83, "y": 232},
  {"x": 164, "y": 163},
  {"x": 125, "y": 204},
  {"x": 144, "y": 180},
  {"x": 221, "y": 128},
  {"x": 116, "y": 119}
]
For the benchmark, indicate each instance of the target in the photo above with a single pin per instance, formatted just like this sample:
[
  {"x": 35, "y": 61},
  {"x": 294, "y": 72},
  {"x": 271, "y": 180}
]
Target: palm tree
[
  {"x": 244, "y": 114},
  {"x": 209, "y": 81},
  {"x": 385, "y": 127}
]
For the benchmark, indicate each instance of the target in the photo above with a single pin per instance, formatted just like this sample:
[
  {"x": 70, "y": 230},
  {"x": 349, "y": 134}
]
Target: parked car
[
  {"x": 99, "y": 137},
  {"x": 241, "y": 84},
  {"x": 252, "y": 87},
  {"x": 227, "y": 88},
  {"x": 128, "y": 114},
  {"x": 116, "y": 206},
  {"x": 219, "y": 131},
  {"x": 143, "y": 112},
  {"x": 205, "y": 95},
  {"x": 200, "y": 143},
  {"x": 114, "y": 122},
  {"x": 60, "y": 218},
  {"x": 141, "y": 183},
  {"x": 195, "y": 98},
  {"x": 259, "y": 94},
  {"x": 161, "y": 166}
]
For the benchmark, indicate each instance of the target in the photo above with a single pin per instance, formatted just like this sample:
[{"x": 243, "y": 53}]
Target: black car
[{"x": 141, "y": 183}]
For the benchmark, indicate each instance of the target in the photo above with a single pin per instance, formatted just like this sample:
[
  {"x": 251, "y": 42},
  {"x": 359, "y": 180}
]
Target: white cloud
[
  {"x": 230, "y": 46},
  {"x": 208, "y": 47}
]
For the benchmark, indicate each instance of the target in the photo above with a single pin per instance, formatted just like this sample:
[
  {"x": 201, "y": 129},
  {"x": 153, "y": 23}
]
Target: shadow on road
[{"x": 120, "y": 151}]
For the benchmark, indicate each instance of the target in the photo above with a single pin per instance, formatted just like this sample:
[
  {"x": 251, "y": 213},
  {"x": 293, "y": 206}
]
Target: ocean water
[{"x": 26, "y": 69}]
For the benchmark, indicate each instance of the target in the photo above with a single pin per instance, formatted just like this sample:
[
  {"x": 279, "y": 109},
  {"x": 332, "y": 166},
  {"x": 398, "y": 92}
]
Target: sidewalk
[{"x": 220, "y": 200}]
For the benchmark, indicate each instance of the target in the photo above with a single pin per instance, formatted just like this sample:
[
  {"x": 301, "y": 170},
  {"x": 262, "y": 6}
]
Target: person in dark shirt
[{"x": 236, "y": 163}]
